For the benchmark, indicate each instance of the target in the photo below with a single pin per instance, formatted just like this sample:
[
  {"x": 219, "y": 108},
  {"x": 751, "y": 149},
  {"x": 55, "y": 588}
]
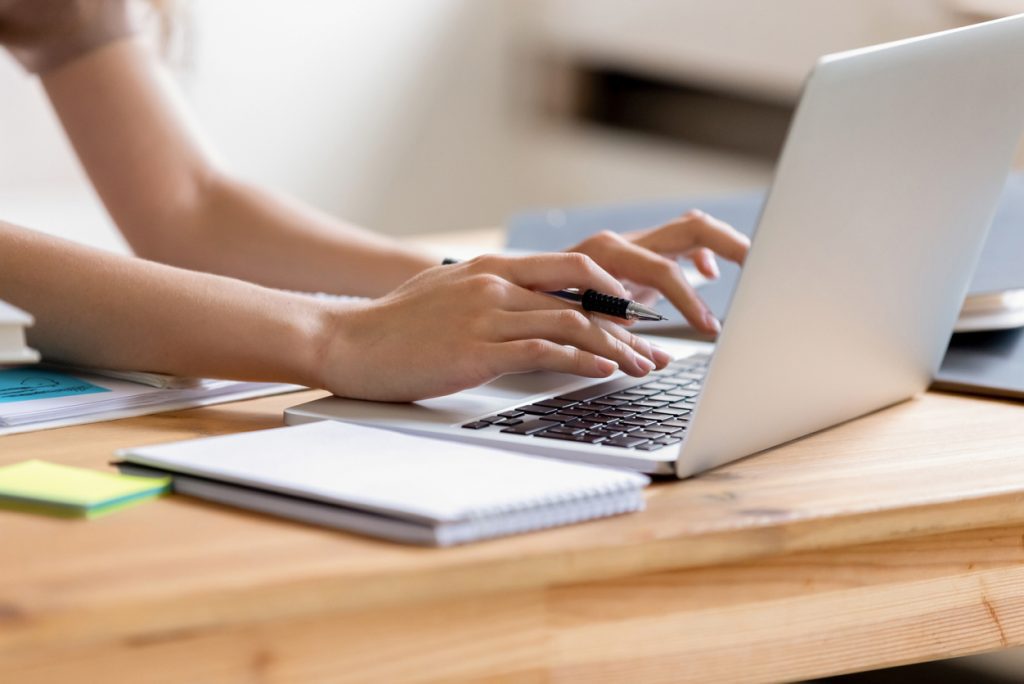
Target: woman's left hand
[{"x": 649, "y": 259}]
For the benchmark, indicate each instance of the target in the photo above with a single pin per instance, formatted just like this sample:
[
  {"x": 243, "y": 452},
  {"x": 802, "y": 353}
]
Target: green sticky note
[{"x": 66, "y": 491}]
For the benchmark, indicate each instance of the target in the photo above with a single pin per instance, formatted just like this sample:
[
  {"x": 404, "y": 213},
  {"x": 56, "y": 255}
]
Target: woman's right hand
[{"x": 458, "y": 326}]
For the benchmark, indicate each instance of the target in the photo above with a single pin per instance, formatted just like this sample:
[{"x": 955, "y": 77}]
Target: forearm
[
  {"x": 271, "y": 239},
  {"x": 159, "y": 183},
  {"x": 99, "y": 309}
]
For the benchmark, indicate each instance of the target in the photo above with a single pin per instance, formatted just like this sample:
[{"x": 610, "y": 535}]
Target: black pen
[{"x": 598, "y": 302}]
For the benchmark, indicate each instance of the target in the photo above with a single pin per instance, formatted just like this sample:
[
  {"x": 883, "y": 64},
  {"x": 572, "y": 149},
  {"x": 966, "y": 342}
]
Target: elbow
[{"x": 175, "y": 228}]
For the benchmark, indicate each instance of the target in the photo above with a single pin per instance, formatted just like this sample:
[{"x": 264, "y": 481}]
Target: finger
[
  {"x": 659, "y": 356},
  {"x": 521, "y": 299},
  {"x": 536, "y": 354},
  {"x": 696, "y": 229},
  {"x": 573, "y": 327},
  {"x": 554, "y": 271},
  {"x": 704, "y": 259},
  {"x": 634, "y": 262}
]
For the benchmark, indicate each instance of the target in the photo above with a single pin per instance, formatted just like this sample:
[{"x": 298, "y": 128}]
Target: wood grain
[
  {"x": 781, "y": 619},
  {"x": 177, "y": 574}
]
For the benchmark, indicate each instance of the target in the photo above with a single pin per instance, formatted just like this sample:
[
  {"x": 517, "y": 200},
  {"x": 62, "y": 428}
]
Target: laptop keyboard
[{"x": 626, "y": 413}]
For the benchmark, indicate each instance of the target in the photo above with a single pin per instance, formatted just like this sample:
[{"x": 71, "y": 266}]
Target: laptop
[{"x": 864, "y": 248}]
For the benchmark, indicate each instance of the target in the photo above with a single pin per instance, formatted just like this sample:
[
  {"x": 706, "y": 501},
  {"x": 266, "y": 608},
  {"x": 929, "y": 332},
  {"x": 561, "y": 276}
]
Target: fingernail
[
  {"x": 646, "y": 365},
  {"x": 661, "y": 357},
  {"x": 711, "y": 323},
  {"x": 606, "y": 366}
]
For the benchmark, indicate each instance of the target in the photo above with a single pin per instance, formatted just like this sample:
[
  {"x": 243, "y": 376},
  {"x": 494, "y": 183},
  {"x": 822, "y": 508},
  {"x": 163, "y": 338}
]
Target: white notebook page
[{"x": 388, "y": 471}]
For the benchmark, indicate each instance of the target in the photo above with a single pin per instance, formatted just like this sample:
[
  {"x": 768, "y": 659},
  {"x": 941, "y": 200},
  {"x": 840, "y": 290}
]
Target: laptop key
[
  {"x": 608, "y": 401},
  {"x": 566, "y": 430},
  {"x": 528, "y": 427},
  {"x": 604, "y": 432},
  {"x": 625, "y": 442},
  {"x": 618, "y": 413},
  {"x": 476, "y": 425},
  {"x": 576, "y": 412},
  {"x": 511, "y": 414},
  {"x": 645, "y": 434},
  {"x": 670, "y": 411},
  {"x": 667, "y": 430},
  {"x": 537, "y": 409},
  {"x": 548, "y": 434},
  {"x": 510, "y": 421},
  {"x": 587, "y": 439},
  {"x": 650, "y": 446},
  {"x": 637, "y": 422},
  {"x": 676, "y": 423},
  {"x": 599, "y": 418},
  {"x": 555, "y": 403},
  {"x": 668, "y": 441},
  {"x": 650, "y": 403}
]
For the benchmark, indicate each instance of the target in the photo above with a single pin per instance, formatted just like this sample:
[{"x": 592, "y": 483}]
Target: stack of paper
[
  {"x": 388, "y": 484},
  {"x": 68, "y": 492},
  {"x": 34, "y": 398},
  {"x": 12, "y": 336}
]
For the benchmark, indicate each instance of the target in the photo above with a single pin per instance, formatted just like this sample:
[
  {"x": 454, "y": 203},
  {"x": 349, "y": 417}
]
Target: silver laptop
[{"x": 881, "y": 201}]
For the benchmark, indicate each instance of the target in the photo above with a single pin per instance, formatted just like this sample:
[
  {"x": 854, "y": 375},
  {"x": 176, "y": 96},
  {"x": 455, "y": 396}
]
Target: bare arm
[
  {"x": 99, "y": 309},
  {"x": 94, "y": 308},
  {"x": 174, "y": 205}
]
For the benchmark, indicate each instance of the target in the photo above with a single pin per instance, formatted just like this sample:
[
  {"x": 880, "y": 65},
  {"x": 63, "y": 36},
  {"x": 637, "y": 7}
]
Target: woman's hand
[
  {"x": 455, "y": 327},
  {"x": 649, "y": 259}
]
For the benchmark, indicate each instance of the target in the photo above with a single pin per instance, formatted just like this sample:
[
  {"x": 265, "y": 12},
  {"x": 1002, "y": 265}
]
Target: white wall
[{"x": 370, "y": 110}]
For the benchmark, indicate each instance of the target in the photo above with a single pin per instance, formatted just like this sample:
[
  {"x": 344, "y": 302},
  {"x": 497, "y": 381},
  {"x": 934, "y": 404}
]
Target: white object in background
[
  {"x": 388, "y": 484},
  {"x": 992, "y": 311},
  {"x": 13, "y": 349}
]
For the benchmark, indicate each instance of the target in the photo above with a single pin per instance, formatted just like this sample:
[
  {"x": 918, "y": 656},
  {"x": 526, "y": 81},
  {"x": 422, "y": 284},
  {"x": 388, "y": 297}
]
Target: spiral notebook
[{"x": 386, "y": 484}]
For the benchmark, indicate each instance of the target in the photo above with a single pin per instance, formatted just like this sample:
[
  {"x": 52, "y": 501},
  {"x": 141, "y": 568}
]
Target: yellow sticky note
[{"x": 66, "y": 491}]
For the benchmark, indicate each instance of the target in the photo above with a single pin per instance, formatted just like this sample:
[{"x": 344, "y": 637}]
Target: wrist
[{"x": 328, "y": 343}]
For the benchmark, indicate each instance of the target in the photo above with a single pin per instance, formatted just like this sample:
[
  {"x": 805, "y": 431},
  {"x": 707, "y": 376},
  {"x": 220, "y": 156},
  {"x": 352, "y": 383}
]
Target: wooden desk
[{"x": 894, "y": 538}]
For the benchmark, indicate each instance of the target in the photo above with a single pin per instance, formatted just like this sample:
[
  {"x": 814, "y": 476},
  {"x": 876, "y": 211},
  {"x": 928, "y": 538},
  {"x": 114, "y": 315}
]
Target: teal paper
[{"x": 24, "y": 384}]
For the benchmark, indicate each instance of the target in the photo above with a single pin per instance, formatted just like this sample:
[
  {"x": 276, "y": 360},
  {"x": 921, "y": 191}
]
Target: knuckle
[
  {"x": 484, "y": 263},
  {"x": 534, "y": 350},
  {"x": 621, "y": 348},
  {"x": 666, "y": 268},
  {"x": 578, "y": 260},
  {"x": 606, "y": 237},
  {"x": 578, "y": 358},
  {"x": 634, "y": 342},
  {"x": 573, "y": 319},
  {"x": 694, "y": 215},
  {"x": 487, "y": 284}
]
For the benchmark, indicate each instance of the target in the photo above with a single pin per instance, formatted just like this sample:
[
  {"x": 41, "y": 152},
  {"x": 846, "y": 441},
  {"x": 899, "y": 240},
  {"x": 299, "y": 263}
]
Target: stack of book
[{"x": 13, "y": 349}]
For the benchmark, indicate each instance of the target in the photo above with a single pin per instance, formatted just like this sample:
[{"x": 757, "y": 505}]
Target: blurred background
[{"x": 412, "y": 116}]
